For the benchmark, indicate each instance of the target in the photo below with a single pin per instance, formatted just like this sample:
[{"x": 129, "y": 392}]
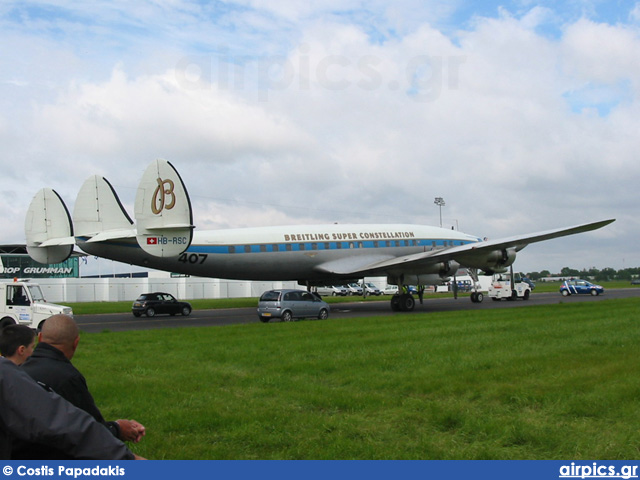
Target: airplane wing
[{"x": 484, "y": 255}]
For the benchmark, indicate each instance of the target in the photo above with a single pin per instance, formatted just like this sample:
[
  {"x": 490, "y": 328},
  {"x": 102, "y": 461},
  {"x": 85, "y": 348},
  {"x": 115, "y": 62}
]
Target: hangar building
[{"x": 15, "y": 262}]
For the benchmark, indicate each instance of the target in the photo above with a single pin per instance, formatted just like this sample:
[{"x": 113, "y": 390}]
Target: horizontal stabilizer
[
  {"x": 98, "y": 213},
  {"x": 59, "y": 241},
  {"x": 112, "y": 235},
  {"x": 163, "y": 211},
  {"x": 48, "y": 228}
]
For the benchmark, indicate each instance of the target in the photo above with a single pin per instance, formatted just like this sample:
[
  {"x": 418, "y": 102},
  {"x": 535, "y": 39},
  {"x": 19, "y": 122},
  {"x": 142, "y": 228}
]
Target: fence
[{"x": 69, "y": 290}]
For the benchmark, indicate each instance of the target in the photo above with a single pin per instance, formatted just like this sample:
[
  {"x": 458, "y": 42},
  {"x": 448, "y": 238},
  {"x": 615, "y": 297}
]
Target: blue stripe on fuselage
[{"x": 316, "y": 246}]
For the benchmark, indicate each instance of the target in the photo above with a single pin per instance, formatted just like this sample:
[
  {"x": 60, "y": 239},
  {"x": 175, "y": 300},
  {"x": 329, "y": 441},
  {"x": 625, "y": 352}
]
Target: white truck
[
  {"x": 22, "y": 302},
  {"x": 509, "y": 286}
]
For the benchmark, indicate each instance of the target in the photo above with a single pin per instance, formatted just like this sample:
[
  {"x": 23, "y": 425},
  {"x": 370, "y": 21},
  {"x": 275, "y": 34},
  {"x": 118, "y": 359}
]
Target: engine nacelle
[
  {"x": 441, "y": 272},
  {"x": 497, "y": 261},
  {"x": 448, "y": 269}
]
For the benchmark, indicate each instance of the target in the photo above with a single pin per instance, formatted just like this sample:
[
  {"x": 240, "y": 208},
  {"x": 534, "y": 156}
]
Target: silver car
[
  {"x": 333, "y": 290},
  {"x": 287, "y": 304}
]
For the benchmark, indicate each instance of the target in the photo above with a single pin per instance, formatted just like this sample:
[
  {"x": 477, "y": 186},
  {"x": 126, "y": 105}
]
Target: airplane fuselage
[{"x": 311, "y": 253}]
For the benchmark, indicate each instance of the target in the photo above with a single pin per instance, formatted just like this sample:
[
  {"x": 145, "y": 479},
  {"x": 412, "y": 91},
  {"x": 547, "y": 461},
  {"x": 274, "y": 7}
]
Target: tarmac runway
[{"x": 206, "y": 318}]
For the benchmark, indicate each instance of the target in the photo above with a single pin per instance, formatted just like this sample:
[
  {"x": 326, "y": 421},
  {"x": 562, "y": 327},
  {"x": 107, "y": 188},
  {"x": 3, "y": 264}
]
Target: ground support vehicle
[
  {"x": 509, "y": 286},
  {"x": 21, "y": 301}
]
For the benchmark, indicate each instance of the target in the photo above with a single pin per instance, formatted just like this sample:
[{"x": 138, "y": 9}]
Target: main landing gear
[
  {"x": 402, "y": 302},
  {"x": 476, "y": 295}
]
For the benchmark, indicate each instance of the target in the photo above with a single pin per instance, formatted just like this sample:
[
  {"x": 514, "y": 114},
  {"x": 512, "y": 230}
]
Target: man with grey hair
[{"x": 50, "y": 365}]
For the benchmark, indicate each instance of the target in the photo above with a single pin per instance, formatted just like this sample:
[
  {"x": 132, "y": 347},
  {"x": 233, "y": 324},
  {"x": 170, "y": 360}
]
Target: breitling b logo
[{"x": 163, "y": 191}]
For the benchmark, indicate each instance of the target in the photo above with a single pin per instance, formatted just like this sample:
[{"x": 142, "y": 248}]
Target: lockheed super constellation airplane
[{"x": 163, "y": 238}]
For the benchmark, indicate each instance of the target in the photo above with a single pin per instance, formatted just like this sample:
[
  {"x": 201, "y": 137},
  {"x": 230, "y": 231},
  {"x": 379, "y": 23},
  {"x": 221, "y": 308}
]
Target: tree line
[{"x": 606, "y": 274}]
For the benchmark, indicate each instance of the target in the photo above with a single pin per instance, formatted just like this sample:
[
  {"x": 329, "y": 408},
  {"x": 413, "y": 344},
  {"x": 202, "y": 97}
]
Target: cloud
[
  {"x": 156, "y": 114},
  {"x": 601, "y": 53}
]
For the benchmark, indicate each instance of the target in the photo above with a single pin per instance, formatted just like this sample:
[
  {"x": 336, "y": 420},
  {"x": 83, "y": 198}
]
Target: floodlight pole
[{"x": 440, "y": 202}]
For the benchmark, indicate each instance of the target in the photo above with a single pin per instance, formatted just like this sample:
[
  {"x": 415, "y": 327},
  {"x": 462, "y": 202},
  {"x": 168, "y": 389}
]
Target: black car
[{"x": 151, "y": 304}]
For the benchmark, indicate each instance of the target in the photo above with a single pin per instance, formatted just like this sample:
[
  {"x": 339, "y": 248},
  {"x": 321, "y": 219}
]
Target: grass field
[
  {"x": 541, "y": 382},
  {"x": 217, "y": 303}
]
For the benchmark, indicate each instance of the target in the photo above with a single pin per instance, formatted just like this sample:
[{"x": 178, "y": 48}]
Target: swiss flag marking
[{"x": 152, "y": 240}]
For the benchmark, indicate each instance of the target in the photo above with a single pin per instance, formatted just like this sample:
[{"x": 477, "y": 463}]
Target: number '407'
[{"x": 193, "y": 258}]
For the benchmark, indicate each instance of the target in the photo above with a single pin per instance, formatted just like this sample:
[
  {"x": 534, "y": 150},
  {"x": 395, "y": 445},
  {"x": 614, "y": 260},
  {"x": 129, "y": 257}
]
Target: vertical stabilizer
[
  {"x": 98, "y": 213},
  {"x": 48, "y": 228},
  {"x": 163, "y": 214}
]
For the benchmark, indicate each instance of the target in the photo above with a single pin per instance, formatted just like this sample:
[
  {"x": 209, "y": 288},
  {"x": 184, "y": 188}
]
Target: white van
[{"x": 22, "y": 302}]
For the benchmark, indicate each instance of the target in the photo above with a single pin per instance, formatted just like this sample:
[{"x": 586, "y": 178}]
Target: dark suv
[{"x": 151, "y": 304}]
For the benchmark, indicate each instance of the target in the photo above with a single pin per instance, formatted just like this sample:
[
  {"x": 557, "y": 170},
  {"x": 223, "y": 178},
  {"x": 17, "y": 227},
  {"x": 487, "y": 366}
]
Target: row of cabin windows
[{"x": 288, "y": 247}]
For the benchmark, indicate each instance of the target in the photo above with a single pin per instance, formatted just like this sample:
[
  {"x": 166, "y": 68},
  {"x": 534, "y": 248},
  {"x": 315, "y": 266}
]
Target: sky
[{"x": 523, "y": 115}]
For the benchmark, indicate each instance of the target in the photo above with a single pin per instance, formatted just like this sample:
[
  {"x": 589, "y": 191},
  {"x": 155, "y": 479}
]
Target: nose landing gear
[{"x": 477, "y": 297}]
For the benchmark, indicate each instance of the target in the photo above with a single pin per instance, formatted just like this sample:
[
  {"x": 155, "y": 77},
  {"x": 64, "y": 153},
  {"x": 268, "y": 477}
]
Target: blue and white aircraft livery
[{"x": 163, "y": 238}]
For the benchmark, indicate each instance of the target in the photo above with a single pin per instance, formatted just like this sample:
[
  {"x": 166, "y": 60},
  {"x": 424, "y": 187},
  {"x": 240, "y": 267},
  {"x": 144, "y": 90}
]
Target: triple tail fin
[
  {"x": 48, "y": 228},
  {"x": 164, "y": 220},
  {"x": 98, "y": 214},
  {"x": 163, "y": 212}
]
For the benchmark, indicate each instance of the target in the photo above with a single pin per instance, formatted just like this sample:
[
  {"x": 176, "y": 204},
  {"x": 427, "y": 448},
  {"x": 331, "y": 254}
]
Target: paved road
[{"x": 202, "y": 318}]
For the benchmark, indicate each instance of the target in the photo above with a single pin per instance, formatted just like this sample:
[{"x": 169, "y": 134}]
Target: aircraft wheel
[
  {"x": 477, "y": 297},
  {"x": 407, "y": 303},
  {"x": 395, "y": 303}
]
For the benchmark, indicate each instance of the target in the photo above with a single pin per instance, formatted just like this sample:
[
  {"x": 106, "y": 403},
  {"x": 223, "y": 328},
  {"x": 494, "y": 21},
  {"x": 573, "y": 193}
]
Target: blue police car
[{"x": 579, "y": 286}]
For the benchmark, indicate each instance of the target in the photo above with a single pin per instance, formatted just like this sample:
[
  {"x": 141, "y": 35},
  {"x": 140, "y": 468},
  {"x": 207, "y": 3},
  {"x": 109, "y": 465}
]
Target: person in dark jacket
[
  {"x": 50, "y": 365},
  {"x": 28, "y": 413}
]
